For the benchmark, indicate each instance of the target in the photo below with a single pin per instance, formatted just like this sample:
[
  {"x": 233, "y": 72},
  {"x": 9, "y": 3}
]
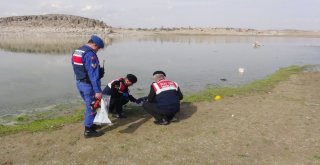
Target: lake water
[{"x": 33, "y": 82}]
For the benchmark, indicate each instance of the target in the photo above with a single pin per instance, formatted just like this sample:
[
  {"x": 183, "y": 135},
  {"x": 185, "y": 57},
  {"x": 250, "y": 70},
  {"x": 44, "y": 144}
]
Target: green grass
[
  {"x": 41, "y": 125},
  {"x": 45, "y": 121},
  {"x": 21, "y": 118},
  {"x": 316, "y": 157},
  {"x": 263, "y": 85}
]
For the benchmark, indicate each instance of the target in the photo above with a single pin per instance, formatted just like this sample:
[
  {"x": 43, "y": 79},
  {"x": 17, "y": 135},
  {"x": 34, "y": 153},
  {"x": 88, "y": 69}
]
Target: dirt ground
[{"x": 279, "y": 127}]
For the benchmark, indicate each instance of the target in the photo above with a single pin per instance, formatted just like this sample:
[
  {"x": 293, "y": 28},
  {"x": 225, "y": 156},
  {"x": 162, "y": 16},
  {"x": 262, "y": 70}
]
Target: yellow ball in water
[{"x": 217, "y": 97}]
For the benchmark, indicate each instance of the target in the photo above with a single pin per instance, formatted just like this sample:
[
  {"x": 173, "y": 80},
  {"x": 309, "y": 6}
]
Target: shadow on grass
[
  {"x": 137, "y": 117},
  {"x": 136, "y": 124},
  {"x": 187, "y": 109}
]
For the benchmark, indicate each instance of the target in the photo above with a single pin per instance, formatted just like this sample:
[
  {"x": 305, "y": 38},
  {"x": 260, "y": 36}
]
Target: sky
[{"x": 257, "y": 14}]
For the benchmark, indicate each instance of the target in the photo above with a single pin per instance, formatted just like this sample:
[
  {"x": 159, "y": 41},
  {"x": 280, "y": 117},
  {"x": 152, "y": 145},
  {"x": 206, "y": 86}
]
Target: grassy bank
[
  {"x": 263, "y": 85},
  {"x": 41, "y": 125},
  {"x": 46, "y": 122}
]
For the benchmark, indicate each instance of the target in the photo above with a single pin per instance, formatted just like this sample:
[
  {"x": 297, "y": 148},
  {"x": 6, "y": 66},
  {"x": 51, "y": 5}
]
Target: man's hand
[
  {"x": 138, "y": 101},
  {"x": 98, "y": 95},
  {"x": 141, "y": 99}
]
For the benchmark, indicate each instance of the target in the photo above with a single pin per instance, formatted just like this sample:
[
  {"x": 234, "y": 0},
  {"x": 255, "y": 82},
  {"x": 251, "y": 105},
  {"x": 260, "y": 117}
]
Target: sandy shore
[{"x": 278, "y": 127}]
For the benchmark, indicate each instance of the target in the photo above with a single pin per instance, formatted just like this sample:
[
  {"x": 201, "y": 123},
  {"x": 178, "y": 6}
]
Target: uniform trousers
[
  {"x": 158, "y": 113},
  {"x": 87, "y": 94},
  {"x": 116, "y": 104}
]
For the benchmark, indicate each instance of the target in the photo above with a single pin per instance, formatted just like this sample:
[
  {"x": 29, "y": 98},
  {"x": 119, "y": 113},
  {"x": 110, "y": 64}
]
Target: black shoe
[
  {"x": 119, "y": 116},
  {"x": 89, "y": 132},
  {"x": 95, "y": 127},
  {"x": 161, "y": 122}
]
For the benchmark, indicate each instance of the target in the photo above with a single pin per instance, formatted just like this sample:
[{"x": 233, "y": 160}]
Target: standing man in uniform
[
  {"x": 163, "y": 101},
  {"x": 88, "y": 73}
]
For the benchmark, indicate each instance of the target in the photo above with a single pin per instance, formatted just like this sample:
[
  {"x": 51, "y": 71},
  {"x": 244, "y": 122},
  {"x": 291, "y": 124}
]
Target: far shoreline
[
  {"x": 28, "y": 39},
  {"x": 214, "y": 32},
  {"x": 77, "y": 25},
  {"x": 138, "y": 32}
]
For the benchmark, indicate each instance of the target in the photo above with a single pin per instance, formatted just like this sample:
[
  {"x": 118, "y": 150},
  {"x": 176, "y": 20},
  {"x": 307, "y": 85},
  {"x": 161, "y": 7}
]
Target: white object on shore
[
  {"x": 256, "y": 44},
  {"x": 102, "y": 117},
  {"x": 241, "y": 70}
]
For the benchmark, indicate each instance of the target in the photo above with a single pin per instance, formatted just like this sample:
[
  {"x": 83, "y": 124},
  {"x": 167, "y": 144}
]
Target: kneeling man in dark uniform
[
  {"x": 163, "y": 101},
  {"x": 119, "y": 92}
]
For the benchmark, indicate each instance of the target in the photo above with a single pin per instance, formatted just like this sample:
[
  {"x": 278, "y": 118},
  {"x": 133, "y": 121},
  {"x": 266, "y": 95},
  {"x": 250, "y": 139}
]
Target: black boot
[
  {"x": 95, "y": 127},
  {"x": 91, "y": 132},
  {"x": 161, "y": 122}
]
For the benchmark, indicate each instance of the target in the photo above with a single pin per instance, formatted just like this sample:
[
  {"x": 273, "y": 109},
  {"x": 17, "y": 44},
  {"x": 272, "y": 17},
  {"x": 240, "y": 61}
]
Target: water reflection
[
  {"x": 42, "y": 43},
  {"x": 215, "y": 39},
  {"x": 31, "y": 81},
  {"x": 188, "y": 39}
]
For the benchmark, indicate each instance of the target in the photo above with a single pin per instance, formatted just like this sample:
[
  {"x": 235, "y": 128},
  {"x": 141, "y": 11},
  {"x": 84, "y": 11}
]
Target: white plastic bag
[{"x": 102, "y": 113}]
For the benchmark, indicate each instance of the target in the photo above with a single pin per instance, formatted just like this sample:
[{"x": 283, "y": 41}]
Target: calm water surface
[{"x": 34, "y": 82}]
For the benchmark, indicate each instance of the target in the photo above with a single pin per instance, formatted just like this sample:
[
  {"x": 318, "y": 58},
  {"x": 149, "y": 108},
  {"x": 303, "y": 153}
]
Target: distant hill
[
  {"x": 52, "y": 21},
  {"x": 71, "y": 24}
]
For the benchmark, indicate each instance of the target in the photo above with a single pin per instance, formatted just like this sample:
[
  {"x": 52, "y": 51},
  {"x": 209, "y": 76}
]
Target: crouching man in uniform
[
  {"x": 88, "y": 73},
  {"x": 163, "y": 101},
  {"x": 118, "y": 90}
]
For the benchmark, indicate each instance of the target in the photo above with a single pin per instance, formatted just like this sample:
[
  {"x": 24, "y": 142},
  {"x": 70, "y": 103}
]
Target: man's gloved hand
[
  {"x": 95, "y": 104},
  {"x": 101, "y": 73},
  {"x": 139, "y": 100}
]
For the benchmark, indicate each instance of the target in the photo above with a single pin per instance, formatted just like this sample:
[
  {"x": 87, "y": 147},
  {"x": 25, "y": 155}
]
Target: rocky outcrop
[
  {"x": 52, "y": 20},
  {"x": 49, "y": 34},
  {"x": 53, "y": 23}
]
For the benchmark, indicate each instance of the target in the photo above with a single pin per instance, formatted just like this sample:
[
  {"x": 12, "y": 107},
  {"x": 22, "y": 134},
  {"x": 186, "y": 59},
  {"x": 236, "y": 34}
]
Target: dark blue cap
[{"x": 98, "y": 41}]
